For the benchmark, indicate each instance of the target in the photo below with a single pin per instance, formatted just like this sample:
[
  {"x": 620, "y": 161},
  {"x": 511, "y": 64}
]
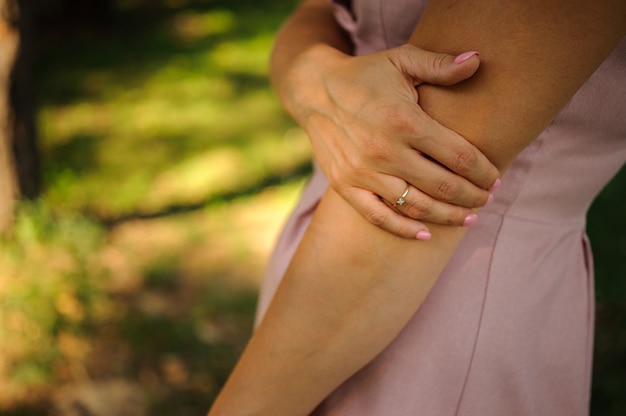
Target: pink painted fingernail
[
  {"x": 489, "y": 200},
  {"x": 495, "y": 185},
  {"x": 470, "y": 220},
  {"x": 464, "y": 57},
  {"x": 423, "y": 235}
]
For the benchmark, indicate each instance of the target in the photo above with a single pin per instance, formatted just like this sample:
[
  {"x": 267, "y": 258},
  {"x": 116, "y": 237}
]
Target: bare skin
[
  {"x": 368, "y": 133},
  {"x": 351, "y": 286}
]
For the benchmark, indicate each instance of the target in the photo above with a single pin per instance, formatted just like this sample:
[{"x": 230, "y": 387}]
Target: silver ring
[{"x": 401, "y": 200}]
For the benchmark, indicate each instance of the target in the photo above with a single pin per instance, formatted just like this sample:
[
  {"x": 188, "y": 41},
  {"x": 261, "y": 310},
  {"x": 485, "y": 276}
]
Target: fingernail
[
  {"x": 464, "y": 57},
  {"x": 470, "y": 220},
  {"x": 423, "y": 235},
  {"x": 495, "y": 185},
  {"x": 489, "y": 200}
]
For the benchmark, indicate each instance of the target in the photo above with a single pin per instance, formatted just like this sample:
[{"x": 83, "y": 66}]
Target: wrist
[{"x": 301, "y": 86}]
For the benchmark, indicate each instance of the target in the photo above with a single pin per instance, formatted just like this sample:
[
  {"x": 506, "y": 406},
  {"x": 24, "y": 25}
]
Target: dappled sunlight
[
  {"x": 233, "y": 238},
  {"x": 214, "y": 172},
  {"x": 61, "y": 124},
  {"x": 191, "y": 26},
  {"x": 136, "y": 274},
  {"x": 174, "y": 122},
  {"x": 86, "y": 290},
  {"x": 169, "y": 168},
  {"x": 146, "y": 138},
  {"x": 223, "y": 170},
  {"x": 249, "y": 56}
]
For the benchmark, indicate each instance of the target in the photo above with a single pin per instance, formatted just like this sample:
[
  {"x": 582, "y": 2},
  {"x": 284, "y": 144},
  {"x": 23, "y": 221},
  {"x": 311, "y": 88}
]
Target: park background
[{"x": 128, "y": 285}]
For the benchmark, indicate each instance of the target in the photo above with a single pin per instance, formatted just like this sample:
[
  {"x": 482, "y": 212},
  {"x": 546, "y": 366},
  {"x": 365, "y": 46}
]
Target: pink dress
[{"x": 508, "y": 327}]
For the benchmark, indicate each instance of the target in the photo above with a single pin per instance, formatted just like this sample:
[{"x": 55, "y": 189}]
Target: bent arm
[
  {"x": 534, "y": 56},
  {"x": 352, "y": 287},
  {"x": 367, "y": 132}
]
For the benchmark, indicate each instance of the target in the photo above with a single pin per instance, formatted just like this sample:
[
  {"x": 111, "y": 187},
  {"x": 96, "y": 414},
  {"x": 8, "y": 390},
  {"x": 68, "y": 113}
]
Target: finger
[
  {"x": 418, "y": 205},
  {"x": 434, "y": 68},
  {"x": 434, "y": 180},
  {"x": 454, "y": 152},
  {"x": 381, "y": 215}
]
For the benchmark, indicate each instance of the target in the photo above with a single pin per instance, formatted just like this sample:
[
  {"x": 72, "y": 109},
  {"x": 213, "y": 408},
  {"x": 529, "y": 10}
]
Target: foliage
[
  {"x": 169, "y": 168},
  {"x": 173, "y": 112},
  {"x": 48, "y": 295}
]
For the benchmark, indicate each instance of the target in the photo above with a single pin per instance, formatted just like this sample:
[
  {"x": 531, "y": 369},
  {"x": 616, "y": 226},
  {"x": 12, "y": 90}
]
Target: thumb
[{"x": 435, "y": 68}]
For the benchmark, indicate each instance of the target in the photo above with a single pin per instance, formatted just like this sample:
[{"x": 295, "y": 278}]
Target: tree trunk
[
  {"x": 9, "y": 45},
  {"x": 19, "y": 161}
]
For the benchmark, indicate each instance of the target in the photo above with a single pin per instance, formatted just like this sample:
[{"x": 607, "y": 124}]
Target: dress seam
[
  {"x": 588, "y": 257},
  {"x": 381, "y": 11},
  {"x": 488, "y": 280},
  {"x": 480, "y": 321}
]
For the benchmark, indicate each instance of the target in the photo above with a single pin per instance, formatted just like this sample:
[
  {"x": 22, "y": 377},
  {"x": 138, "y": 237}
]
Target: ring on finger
[{"x": 400, "y": 201}]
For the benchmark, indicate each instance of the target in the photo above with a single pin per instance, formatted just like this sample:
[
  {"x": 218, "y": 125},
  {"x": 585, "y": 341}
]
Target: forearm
[
  {"x": 352, "y": 287},
  {"x": 311, "y": 26},
  {"x": 345, "y": 103}
]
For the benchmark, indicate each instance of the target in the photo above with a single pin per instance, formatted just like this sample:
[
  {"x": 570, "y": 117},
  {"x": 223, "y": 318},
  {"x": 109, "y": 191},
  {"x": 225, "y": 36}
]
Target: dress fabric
[{"x": 508, "y": 327}]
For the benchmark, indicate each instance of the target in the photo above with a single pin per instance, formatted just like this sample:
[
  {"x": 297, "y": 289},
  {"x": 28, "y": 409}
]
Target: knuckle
[
  {"x": 447, "y": 215},
  {"x": 401, "y": 51},
  {"x": 435, "y": 64},
  {"x": 476, "y": 198},
  {"x": 403, "y": 230},
  {"x": 448, "y": 191},
  {"x": 464, "y": 161},
  {"x": 354, "y": 168},
  {"x": 398, "y": 117},
  {"x": 404, "y": 54},
  {"x": 419, "y": 208},
  {"x": 376, "y": 216},
  {"x": 405, "y": 48}
]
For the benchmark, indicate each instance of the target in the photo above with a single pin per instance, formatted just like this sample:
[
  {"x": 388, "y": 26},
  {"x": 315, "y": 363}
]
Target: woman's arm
[
  {"x": 347, "y": 105},
  {"x": 535, "y": 55},
  {"x": 352, "y": 287}
]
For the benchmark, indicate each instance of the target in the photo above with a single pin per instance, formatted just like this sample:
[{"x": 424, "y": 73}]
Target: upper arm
[{"x": 535, "y": 54}]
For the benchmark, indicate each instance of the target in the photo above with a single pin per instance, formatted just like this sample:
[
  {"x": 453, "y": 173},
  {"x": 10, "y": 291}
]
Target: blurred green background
[{"x": 168, "y": 170}]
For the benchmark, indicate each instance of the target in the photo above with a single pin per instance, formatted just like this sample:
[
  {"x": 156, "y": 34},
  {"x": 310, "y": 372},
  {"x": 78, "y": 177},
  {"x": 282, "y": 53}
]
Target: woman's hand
[{"x": 374, "y": 142}]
